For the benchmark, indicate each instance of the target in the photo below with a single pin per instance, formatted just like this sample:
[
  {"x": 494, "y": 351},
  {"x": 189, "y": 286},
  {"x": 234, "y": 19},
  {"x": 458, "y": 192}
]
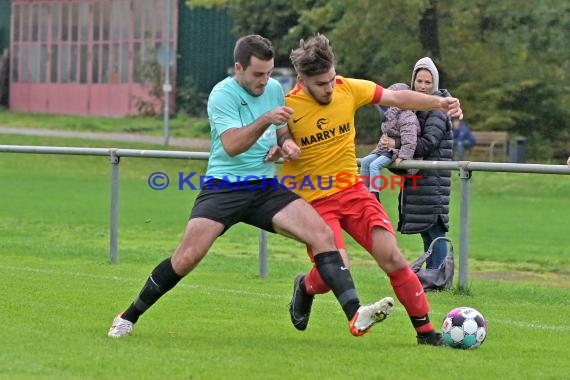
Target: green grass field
[
  {"x": 179, "y": 126},
  {"x": 60, "y": 292}
]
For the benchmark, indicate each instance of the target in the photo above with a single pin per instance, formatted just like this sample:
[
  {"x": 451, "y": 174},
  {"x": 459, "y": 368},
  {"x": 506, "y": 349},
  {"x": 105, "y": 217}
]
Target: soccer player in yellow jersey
[{"x": 326, "y": 174}]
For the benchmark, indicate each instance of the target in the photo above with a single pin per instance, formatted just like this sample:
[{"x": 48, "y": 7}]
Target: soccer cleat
[
  {"x": 368, "y": 315},
  {"x": 300, "y": 306},
  {"x": 431, "y": 338},
  {"x": 120, "y": 327}
]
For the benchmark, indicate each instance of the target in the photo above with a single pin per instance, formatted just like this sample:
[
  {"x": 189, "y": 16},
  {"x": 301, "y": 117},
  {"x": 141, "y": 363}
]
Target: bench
[{"x": 490, "y": 144}]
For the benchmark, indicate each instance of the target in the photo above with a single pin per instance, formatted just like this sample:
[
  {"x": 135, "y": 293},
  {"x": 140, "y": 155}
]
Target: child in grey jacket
[{"x": 398, "y": 123}]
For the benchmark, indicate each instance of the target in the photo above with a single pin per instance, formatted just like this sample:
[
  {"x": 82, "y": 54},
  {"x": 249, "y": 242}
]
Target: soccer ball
[{"x": 464, "y": 327}]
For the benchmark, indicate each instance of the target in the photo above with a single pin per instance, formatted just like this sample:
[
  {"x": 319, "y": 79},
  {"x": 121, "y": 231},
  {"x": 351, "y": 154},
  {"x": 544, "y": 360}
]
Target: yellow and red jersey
[{"x": 325, "y": 134}]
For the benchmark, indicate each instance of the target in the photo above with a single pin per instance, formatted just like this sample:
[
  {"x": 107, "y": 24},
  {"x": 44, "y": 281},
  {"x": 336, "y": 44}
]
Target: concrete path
[{"x": 201, "y": 144}]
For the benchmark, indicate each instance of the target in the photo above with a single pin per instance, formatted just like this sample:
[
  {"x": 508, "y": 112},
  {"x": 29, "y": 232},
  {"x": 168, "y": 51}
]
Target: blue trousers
[
  {"x": 371, "y": 167},
  {"x": 439, "y": 252}
]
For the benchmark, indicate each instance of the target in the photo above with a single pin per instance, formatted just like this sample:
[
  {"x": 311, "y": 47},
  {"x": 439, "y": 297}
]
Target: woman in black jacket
[{"x": 424, "y": 209}]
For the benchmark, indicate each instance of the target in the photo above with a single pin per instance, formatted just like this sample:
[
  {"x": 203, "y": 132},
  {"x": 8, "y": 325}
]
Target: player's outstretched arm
[{"x": 417, "y": 101}]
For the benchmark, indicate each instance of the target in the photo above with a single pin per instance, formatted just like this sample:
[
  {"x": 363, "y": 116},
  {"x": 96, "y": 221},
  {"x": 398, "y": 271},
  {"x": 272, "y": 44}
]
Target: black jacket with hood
[{"x": 428, "y": 203}]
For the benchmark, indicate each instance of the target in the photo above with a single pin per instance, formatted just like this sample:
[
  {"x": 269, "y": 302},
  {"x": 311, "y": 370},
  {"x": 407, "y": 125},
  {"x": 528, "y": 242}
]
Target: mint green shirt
[{"x": 231, "y": 106}]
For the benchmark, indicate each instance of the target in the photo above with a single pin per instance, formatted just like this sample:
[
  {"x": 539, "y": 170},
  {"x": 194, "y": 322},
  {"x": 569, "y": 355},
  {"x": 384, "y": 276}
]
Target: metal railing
[
  {"x": 465, "y": 169},
  {"x": 115, "y": 155}
]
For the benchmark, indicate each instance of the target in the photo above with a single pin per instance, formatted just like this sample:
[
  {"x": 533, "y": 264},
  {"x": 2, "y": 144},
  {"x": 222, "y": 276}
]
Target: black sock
[
  {"x": 161, "y": 280},
  {"x": 338, "y": 278},
  {"x": 419, "y": 321}
]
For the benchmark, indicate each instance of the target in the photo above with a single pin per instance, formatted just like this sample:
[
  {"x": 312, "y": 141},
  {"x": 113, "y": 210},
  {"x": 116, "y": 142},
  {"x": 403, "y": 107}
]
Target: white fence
[{"x": 465, "y": 169}]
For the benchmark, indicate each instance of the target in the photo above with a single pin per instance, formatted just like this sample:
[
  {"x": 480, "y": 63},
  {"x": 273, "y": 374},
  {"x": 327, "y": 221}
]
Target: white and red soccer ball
[{"x": 464, "y": 327}]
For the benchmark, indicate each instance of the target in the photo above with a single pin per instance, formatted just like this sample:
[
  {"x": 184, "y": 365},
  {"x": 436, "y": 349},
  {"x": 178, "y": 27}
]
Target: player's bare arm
[
  {"x": 238, "y": 140},
  {"x": 273, "y": 154},
  {"x": 289, "y": 149},
  {"x": 413, "y": 100}
]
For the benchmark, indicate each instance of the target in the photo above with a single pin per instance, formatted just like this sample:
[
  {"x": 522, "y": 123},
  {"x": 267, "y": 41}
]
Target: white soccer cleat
[
  {"x": 120, "y": 327},
  {"x": 368, "y": 315}
]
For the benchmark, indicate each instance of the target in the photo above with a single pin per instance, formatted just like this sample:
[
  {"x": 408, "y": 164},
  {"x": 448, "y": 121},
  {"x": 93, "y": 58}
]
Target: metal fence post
[
  {"x": 465, "y": 176},
  {"x": 166, "y": 87},
  {"x": 114, "y": 231},
  {"x": 262, "y": 253}
]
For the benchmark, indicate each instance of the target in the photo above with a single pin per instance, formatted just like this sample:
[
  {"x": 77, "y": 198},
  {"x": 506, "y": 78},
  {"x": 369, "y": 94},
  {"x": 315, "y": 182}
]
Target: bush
[
  {"x": 151, "y": 74},
  {"x": 190, "y": 100}
]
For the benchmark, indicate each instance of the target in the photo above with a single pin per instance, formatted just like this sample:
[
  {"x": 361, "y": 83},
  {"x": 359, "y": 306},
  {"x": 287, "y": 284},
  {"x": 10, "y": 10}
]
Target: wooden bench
[{"x": 491, "y": 145}]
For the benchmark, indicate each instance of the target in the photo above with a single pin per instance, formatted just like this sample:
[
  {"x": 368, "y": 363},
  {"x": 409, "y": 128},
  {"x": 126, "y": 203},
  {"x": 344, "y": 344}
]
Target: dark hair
[
  {"x": 313, "y": 57},
  {"x": 253, "y": 45}
]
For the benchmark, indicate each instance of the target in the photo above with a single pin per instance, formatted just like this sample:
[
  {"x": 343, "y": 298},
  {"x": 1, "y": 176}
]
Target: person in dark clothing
[
  {"x": 463, "y": 139},
  {"x": 425, "y": 208}
]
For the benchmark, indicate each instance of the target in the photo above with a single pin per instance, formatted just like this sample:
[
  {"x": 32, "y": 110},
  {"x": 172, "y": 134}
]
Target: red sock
[
  {"x": 314, "y": 283},
  {"x": 410, "y": 292}
]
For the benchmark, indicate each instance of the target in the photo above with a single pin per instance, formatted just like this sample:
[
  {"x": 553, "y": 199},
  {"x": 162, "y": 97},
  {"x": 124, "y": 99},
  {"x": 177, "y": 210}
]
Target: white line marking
[
  {"x": 530, "y": 325},
  {"x": 521, "y": 324}
]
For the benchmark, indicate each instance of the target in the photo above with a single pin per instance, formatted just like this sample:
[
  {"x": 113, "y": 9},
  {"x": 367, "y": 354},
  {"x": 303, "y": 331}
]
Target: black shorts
[{"x": 254, "y": 202}]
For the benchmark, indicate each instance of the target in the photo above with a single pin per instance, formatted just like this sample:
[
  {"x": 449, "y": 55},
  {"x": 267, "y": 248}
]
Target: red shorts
[{"x": 356, "y": 211}]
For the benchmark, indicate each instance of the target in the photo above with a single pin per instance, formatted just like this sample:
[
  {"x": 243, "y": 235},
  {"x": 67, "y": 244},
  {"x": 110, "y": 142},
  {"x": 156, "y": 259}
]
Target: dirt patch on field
[{"x": 561, "y": 280}]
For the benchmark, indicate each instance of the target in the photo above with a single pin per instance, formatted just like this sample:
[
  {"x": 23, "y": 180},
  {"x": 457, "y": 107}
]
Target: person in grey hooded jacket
[{"x": 424, "y": 209}]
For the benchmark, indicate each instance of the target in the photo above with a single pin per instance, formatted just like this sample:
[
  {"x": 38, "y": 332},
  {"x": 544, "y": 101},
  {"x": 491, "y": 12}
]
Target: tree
[
  {"x": 507, "y": 61},
  {"x": 511, "y": 68},
  {"x": 428, "y": 28}
]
